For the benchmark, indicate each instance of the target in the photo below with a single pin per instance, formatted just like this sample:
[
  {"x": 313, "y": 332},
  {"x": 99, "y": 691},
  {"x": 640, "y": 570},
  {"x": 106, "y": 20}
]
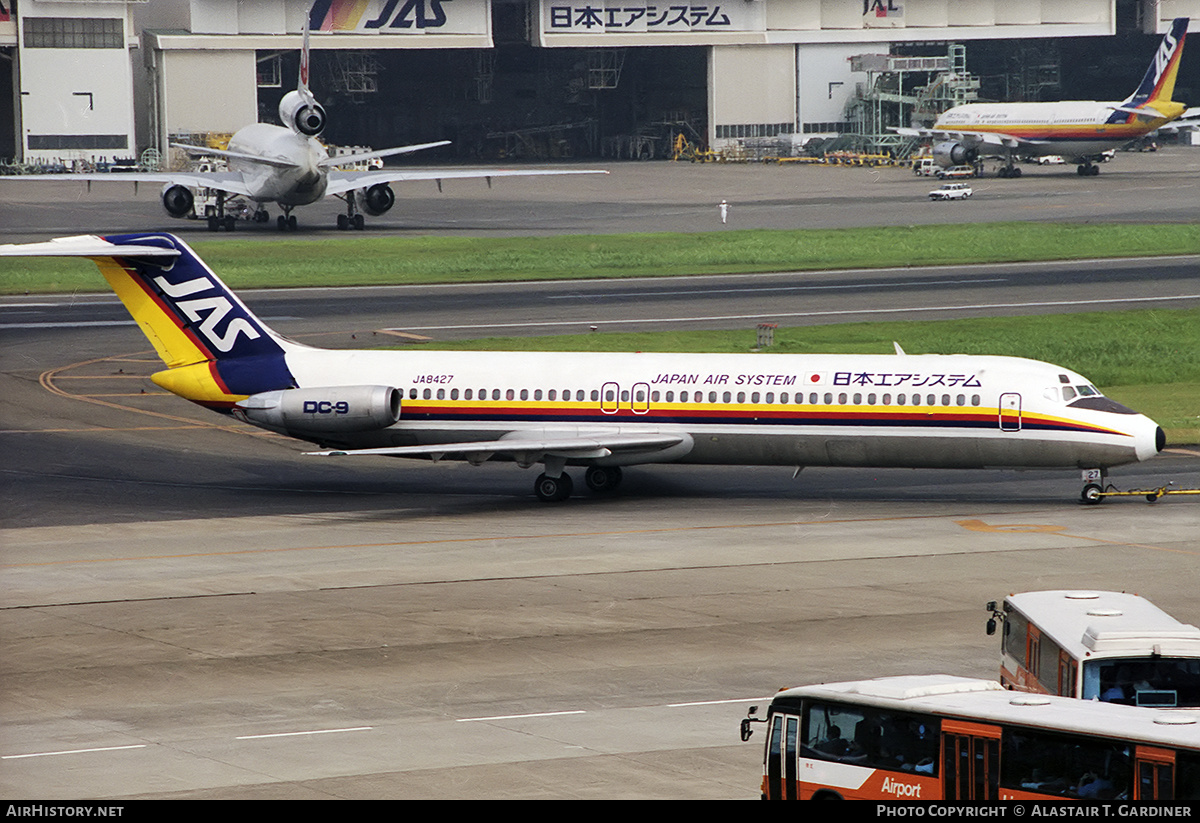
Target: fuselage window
[
  {"x": 961, "y": 400},
  {"x": 495, "y": 394},
  {"x": 945, "y": 400},
  {"x": 468, "y": 394},
  {"x": 653, "y": 396},
  {"x": 524, "y": 394},
  {"x": 426, "y": 394},
  {"x": 842, "y": 399},
  {"x": 900, "y": 398},
  {"x": 712, "y": 397},
  {"x": 510, "y": 395},
  {"x": 870, "y": 400},
  {"x": 441, "y": 395},
  {"x": 857, "y": 399},
  {"x": 741, "y": 397},
  {"x": 625, "y": 396},
  {"x": 930, "y": 399},
  {"x": 412, "y": 394},
  {"x": 537, "y": 394},
  {"x": 755, "y": 397},
  {"x": 974, "y": 400},
  {"x": 726, "y": 397},
  {"x": 670, "y": 397},
  {"x": 887, "y": 400},
  {"x": 770, "y": 397},
  {"x": 579, "y": 395},
  {"x": 916, "y": 399},
  {"x": 454, "y": 394},
  {"x": 828, "y": 399}
]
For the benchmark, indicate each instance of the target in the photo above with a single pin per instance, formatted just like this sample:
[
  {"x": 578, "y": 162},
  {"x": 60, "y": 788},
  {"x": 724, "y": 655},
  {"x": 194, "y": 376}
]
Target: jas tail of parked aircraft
[
  {"x": 1079, "y": 130},
  {"x": 602, "y": 412},
  {"x": 287, "y": 165}
]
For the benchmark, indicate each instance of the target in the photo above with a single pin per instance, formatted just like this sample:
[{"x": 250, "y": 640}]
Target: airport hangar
[{"x": 96, "y": 80}]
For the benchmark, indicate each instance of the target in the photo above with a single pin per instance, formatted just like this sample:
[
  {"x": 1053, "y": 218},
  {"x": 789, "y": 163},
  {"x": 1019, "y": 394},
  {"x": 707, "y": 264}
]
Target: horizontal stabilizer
[
  {"x": 359, "y": 157},
  {"x": 236, "y": 155},
  {"x": 84, "y": 245}
]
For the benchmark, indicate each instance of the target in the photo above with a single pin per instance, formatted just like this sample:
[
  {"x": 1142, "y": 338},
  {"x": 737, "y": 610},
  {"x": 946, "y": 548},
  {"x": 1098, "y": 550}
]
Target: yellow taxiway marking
[
  {"x": 569, "y": 535},
  {"x": 1034, "y": 528}
]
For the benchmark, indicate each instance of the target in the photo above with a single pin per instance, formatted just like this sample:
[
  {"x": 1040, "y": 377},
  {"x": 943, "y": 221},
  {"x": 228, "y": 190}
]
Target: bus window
[
  {"x": 895, "y": 741},
  {"x": 1163, "y": 682},
  {"x": 1187, "y": 776},
  {"x": 1065, "y": 766}
]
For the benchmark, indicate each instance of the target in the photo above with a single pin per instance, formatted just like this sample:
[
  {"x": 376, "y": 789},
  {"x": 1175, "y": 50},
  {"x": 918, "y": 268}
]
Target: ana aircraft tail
[
  {"x": 216, "y": 351},
  {"x": 1159, "y": 83}
]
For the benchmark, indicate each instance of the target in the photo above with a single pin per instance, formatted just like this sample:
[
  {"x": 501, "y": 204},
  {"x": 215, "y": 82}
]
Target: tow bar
[{"x": 1097, "y": 494}]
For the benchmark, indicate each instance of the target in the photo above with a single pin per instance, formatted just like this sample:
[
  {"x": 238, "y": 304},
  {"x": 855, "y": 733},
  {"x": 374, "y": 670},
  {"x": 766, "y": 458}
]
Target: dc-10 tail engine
[
  {"x": 301, "y": 114},
  {"x": 375, "y": 200},
  {"x": 952, "y": 153},
  {"x": 310, "y": 413}
]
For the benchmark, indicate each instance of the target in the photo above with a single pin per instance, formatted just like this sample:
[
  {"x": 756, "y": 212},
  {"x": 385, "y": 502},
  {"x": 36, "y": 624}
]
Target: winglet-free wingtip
[{"x": 91, "y": 245}]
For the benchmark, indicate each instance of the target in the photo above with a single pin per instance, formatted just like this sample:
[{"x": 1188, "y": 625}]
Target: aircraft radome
[
  {"x": 289, "y": 166},
  {"x": 1079, "y": 130},
  {"x": 600, "y": 411}
]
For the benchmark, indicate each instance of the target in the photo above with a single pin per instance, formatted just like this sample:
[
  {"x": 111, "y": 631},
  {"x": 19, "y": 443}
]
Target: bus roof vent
[
  {"x": 1175, "y": 719},
  {"x": 1082, "y": 595},
  {"x": 1105, "y": 612},
  {"x": 1030, "y": 700},
  {"x": 908, "y": 687}
]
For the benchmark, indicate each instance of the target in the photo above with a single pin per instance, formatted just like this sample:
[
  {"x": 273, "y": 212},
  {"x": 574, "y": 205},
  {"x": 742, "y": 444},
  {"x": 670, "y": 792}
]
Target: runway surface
[{"x": 194, "y": 609}]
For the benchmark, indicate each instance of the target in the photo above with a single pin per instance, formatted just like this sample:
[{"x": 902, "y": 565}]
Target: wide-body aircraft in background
[
  {"x": 1078, "y": 130},
  {"x": 602, "y": 411},
  {"x": 287, "y": 165}
]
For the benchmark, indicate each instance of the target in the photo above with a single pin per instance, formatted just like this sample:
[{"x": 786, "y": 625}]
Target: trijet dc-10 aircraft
[
  {"x": 287, "y": 165},
  {"x": 1078, "y": 130},
  {"x": 600, "y": 411}
]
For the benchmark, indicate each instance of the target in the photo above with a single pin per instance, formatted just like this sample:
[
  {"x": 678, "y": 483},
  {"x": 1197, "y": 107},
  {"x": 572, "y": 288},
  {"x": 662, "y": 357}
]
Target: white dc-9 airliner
[{"x": 601, "y": 412}]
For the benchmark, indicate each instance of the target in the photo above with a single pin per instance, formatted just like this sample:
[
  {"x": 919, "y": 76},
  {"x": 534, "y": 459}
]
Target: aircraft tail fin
[
  {"x": 1159, "y": 83},
  {"x": 215, "y": 349}
]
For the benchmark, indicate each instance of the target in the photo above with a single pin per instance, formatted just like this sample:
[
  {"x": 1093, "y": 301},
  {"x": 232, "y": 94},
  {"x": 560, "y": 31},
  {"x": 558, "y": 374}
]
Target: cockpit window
[
  {"x": 1068, "y": 393},
  {"x": 1087, "y": 391}
]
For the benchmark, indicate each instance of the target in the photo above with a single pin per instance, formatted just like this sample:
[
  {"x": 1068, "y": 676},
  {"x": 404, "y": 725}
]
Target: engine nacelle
[
  {"x": 330, "y": 410},
  {"x": 376, "y": 200},
  {"x": 177, "y": 200},
  {"x": 302, "y": 115},
  {"x": 952, "y": 153}
]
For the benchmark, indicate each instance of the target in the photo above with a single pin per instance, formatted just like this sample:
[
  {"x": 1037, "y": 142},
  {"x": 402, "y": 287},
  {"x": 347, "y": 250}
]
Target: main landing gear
[
  {"x": 353, "y": 218},
  {"x": 600, "y": 479},
  {"x": 286, "y": 221},
  {"x": 1087, "y": 169}
]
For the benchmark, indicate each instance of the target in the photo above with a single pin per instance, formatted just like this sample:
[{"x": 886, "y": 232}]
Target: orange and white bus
[
  {"x": 939, "y": 737},
  {"x": 1108, "y": 646}
]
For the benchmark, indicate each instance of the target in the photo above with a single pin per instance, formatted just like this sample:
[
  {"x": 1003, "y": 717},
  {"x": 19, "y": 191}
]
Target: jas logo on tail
[
  {"x": 1166, "y": 50},
  {"x": 208, "y": 311}
]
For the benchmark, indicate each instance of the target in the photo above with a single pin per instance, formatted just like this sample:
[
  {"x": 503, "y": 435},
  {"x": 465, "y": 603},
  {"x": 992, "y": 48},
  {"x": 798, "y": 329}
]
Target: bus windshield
[{"x": 1142, "y": 681}]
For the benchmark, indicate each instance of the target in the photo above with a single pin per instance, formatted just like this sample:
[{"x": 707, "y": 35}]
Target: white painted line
[
  {"x": 515, "y": 716},
  {"x": 73, "y": 751},
  {"x": 716, "y": 702},
  {"x": 781, "y": 315},
  {"x": 302, "y": 734},
  {"x": 593, "y": 297}
]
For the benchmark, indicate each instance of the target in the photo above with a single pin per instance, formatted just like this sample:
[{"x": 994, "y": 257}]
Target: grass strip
[{"x": 357, "y": 260}]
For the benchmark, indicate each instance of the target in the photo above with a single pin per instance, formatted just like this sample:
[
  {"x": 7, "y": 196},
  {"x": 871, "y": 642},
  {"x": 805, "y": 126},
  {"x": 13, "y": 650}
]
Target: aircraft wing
[
  {"x": 226, "y": 181},
  {"x": 987, "y": 138},
  {"x": 341, "y": 182},
  {"x": 529, "y": 449}
]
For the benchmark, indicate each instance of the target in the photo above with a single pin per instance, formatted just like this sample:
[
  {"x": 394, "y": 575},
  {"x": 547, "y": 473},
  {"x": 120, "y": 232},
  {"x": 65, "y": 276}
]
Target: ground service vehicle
[
  {"x": 1108, "y": 646},
  {"x": 951, "y": 191},
  {"x": 938, "y": 737}
]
